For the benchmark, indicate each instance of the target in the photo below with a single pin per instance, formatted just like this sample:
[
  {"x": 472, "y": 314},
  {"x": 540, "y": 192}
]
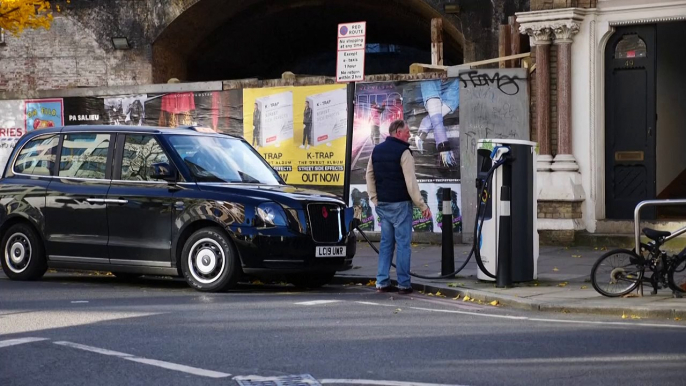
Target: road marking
[
  {"x": 94, "y": 349},
  {"x": 594, "y": 322},
  {"x": 382, "y": 383},
  {"x": 177, "y": 367},
  {"x": 317, "y": 302},
  {"x": 79, "y": 301},
  {"x": 151, "y": 362},
  {"x": 376, "y": 304},
  {"x": 14, "y": 342}
]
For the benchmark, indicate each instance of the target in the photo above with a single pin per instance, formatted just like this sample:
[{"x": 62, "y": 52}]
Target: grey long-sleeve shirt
[{"x": 407, "y": 164}]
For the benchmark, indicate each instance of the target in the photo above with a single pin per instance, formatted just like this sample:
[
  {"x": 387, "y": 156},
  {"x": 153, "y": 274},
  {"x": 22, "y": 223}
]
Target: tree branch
[{"x": 8, "y": 12}]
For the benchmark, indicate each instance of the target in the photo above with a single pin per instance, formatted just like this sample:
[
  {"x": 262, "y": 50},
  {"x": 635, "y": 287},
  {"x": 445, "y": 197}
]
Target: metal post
[
  {"x": 448, "y": 249},
  {"x": 349, "y": 143},
  {"x": 637, "y": 218}
]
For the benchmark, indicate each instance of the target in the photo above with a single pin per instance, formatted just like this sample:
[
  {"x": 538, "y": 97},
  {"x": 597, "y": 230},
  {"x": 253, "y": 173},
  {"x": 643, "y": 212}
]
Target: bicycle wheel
[
  {"x": 677, "y": 276},
  {"x": 617, "y": 272}
]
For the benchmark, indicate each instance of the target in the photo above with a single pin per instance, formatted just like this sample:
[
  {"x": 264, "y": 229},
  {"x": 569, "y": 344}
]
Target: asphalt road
[{"x": 76, "y": 329}]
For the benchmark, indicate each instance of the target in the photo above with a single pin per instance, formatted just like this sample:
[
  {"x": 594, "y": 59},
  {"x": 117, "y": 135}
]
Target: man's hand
[{"x": 426, "y": 213}]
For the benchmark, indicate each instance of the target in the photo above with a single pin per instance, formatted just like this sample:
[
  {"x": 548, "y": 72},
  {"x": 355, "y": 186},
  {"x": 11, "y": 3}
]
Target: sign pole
[
  {"x": 352, "y": 44},
  {"x": 349, "y": 143}
]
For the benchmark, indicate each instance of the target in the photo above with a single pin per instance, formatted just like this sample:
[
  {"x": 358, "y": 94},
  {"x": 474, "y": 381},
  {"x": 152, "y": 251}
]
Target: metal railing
[{"x": 637, "y": 219}]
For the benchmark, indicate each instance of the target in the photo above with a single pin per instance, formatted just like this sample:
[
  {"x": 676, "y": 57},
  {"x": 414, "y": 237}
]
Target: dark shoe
[
  {"x": 405, "y": 291},
  {"x": 388, "y": 288}
]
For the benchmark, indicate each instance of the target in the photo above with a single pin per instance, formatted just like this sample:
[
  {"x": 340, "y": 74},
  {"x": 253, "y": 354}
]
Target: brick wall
[
  {"x": 537, "y": 5},
  {"x": 77, "y": 51},
  {"x": 66, "y": 56},
  {"x": 559, "y": 209}
]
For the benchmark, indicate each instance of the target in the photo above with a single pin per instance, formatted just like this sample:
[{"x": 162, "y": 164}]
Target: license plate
[{"x": 330, "y": 251}]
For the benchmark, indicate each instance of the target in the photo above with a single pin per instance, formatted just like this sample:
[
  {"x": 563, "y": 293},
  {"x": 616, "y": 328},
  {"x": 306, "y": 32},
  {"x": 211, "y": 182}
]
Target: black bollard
[
  {"x": 504, "y": 262},
  {"x": 448, "y": 249}
]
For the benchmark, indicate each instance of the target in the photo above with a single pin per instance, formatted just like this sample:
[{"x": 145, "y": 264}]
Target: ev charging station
[{"x": 508, "y": 239}]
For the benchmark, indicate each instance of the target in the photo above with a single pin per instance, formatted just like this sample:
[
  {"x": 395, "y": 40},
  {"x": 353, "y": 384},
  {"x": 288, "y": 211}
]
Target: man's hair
[{"x": 395, "y": 126}]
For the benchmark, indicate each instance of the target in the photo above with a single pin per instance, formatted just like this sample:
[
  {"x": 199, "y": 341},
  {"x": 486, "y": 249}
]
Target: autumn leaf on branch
[{"x": 17, "y": 15}]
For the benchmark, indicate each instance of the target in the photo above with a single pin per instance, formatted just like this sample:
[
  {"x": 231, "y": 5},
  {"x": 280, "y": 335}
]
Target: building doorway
[{"x": 645, "y": 118}]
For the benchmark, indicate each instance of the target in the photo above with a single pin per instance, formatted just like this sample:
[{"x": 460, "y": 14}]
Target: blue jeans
[
  {"x": 396, "y": 227},
  {"x": 448, "y": 92}
]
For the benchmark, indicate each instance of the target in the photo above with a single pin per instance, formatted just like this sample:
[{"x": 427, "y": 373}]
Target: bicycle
[{"x": 620, "y": 271}]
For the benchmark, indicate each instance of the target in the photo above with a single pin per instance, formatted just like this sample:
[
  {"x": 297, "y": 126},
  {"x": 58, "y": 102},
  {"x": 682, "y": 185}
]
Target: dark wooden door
[{"x": 630, "y": 121}]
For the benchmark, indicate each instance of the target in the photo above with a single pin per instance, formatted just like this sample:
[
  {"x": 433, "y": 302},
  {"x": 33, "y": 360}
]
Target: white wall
[{"x": 671, "y": 102}]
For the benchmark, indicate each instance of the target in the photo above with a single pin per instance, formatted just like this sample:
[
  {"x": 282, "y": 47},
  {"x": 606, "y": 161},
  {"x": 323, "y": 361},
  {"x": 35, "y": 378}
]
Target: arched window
[{"x": 631, "y": 46}]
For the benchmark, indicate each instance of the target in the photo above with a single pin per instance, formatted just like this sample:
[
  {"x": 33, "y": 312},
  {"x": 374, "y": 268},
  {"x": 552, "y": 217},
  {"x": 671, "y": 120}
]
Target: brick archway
[{"x": 203, "y": 40}]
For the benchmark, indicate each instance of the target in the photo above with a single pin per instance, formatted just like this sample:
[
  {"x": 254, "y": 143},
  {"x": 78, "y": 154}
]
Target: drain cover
[{"x": 284, "y": 380}]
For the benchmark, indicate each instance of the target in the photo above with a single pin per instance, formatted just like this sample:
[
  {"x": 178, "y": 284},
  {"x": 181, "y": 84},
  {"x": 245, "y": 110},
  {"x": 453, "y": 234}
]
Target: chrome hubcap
[
  {"x": 206, "y": 261},
  {"x": 18, "y": 253}
]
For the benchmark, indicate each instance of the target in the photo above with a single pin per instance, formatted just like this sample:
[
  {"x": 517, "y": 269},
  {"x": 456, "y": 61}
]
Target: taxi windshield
[{"x": 223, "y": 159}]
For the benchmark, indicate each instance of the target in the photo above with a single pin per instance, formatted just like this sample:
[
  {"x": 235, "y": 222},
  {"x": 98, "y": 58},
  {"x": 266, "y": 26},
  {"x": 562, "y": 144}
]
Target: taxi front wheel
[{"x": 209, "y": 262}]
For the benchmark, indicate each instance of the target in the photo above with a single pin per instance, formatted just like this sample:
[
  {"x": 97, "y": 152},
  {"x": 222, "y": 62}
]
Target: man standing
[
  {"x": 307, "y": 121},
  {"x": 393, "y": 188}
]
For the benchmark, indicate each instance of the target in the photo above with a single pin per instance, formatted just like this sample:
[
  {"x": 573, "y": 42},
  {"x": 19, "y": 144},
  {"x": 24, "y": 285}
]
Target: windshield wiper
[{"x": 248, "y": 178}]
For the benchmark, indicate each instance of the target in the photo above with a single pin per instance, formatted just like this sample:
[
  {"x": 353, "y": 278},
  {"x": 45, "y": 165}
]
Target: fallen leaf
[
  {"x": 426, "y": 265},
  {"x": 635, "y": 317},
  {"x": 456, "y": 297},
  {"x": 453, "y": 285},
  {"x": 584, "y": 286},
  {"x": 359, "y": 284},
  {"x": 429, "y": 294},
  {"x": 577, "y": 256},
  {"x": 438, "y": 293},
  {"x": 494, "y": 303},
  {"x": 562, "y": 284},
  {"x": 472, "y": 300},
  {"x": 397, "y": 310},
  {"x": 372, "y": 283},
  {"x": 565, "y": 311},
  {"x": 256, "y": 282},
  {"x": 677, "y": 318},
  {"x": 421, "y": 292},
  {"x": 466, "y": 298},
  {"x": 555, "y": 269},
  {"x": 535, "y": 284},
  {"x": 631, "y": 295},
  {"x": 623, "y": 316}
]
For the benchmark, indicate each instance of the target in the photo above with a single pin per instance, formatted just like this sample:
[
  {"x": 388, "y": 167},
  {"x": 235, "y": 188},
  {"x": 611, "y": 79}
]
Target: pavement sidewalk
[{"x": 563, "y": 283}]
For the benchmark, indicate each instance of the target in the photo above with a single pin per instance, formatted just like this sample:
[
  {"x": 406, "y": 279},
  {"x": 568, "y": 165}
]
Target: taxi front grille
[{"x": 325, "y": 222}]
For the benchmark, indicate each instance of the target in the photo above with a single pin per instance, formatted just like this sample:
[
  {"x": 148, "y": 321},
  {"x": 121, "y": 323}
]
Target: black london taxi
[{"x": 155, "y": 201}]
